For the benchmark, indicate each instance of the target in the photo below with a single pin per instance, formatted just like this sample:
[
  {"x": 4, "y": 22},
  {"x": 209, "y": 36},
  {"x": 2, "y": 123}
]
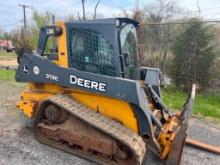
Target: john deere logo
[{"x": 87, "y": 83}]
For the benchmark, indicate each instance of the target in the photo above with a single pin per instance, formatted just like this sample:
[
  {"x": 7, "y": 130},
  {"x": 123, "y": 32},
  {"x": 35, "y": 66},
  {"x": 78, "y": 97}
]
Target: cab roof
[{"x": 106, "y": 21}]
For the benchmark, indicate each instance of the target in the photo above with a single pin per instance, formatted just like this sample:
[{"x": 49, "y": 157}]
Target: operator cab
[{"x": 103, "y": 46}]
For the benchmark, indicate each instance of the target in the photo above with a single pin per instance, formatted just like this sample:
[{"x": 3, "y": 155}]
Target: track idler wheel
[{"x": 54, "y": 114}]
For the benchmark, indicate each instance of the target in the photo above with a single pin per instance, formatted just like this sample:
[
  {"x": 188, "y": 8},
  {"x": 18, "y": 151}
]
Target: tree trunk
[
  {"x": 83, "y": 7},
  {"x": 163, "y": 63}
]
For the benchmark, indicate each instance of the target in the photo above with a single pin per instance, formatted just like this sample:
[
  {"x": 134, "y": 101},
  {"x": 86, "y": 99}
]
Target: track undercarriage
[{"x": 66, "y": 124}]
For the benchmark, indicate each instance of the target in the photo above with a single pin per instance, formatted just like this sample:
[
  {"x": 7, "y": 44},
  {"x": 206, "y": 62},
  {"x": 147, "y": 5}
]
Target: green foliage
[
  {"x": 5, "y": 36},
  {"x": 193, "y": 57},
  {"x": 42, "y": 19},
  {"x": 206, "y": 104},
  {"x": 1, "y": 32},
  {"x": 39, "y": 20},
  {"x": 31, "y": 37}
]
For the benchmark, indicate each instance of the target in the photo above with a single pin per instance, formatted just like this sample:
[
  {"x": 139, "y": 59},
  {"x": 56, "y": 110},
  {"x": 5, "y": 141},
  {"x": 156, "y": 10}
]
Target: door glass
[{"x": 128, "y": 42}]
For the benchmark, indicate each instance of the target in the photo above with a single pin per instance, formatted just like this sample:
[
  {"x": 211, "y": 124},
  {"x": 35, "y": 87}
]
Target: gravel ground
[{"x": 18, "y": 146}]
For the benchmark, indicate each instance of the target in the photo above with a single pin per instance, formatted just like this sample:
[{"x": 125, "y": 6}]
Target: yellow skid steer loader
[{"x": 90, "y": 96}]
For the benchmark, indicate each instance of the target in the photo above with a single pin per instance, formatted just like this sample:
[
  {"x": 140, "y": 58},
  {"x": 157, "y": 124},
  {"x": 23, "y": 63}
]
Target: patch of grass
[
  {"x": 7, "y": 75},
  {"x": 206, "y": 104},
  {"x": 173, "y": 98}
]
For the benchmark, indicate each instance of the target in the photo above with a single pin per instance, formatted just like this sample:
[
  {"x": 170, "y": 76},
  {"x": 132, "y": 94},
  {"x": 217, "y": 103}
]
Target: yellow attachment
[
  {"x": 142, "y": 83},
  {"x": 165, "y": 138},
  {"x": 28, "y": 107},
  {"x": 151, "y": 106}
]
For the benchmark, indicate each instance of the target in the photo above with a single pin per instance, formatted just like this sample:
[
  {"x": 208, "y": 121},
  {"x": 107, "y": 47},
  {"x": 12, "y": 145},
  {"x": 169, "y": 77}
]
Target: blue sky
[{"x": 11, "y": 14}]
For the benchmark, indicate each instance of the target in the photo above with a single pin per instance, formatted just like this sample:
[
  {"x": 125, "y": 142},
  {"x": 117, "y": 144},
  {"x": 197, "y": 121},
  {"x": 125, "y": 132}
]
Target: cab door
[{"x": 128, "y": 43}]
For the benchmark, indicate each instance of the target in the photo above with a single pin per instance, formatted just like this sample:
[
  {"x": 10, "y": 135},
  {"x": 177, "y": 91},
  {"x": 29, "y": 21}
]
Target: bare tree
[
  {"x": 95, "y": 10},
  {"x": 124, "y": 12},
  {"x": 198, "y": 8},
  {"x": 83, "y": 8},
  {"x": 138, "y": 15},
  {"x": 78, "y": 16},
  {"x": 157, "y": 38}
]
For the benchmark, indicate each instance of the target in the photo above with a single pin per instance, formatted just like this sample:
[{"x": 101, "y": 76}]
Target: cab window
[
  {"x": 91, "y": 52},
  {"x": 128, "y": 42}
]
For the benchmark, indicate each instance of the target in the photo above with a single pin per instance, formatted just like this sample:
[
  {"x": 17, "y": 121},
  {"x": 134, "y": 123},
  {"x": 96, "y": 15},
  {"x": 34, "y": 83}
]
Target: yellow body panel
[
  {"x": 49, "y": 88},
  {"x": 62, "y": 47},
  {"x": 113, "y": 108},
  {"x": 29, "y": 101}
]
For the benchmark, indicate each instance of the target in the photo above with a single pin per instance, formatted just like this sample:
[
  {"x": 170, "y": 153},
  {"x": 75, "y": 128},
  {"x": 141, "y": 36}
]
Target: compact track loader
[{"x": 90, "y": 97}]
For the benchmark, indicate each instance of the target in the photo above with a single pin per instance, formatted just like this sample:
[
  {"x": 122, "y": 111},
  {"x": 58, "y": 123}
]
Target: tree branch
[
  {"x": 95, "y": 10},
  {"x": 78, "y": 16},
  {"x": 83, "y": 8},
  {"x": 125, "y": 13}
]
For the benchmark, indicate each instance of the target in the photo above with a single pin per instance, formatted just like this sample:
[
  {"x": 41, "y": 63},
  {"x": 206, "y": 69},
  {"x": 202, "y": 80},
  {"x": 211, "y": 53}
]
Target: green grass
[
  {"x": 7, "y": 75},
  {"x": 206, "y": 104}
]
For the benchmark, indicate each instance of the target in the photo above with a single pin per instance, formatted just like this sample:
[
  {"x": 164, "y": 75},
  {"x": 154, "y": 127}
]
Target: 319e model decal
[{"x": 52, "y": 77}]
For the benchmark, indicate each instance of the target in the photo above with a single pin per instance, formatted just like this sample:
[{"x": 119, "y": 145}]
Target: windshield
[{"x": 128, "y": 42}]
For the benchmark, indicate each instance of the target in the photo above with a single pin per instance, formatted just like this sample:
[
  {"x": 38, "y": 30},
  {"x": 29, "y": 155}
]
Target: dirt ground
[
  {"x": 8, "y": 59},
  {"x": 11, "y": 63},
  {"x": 18, "y": 146}
]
